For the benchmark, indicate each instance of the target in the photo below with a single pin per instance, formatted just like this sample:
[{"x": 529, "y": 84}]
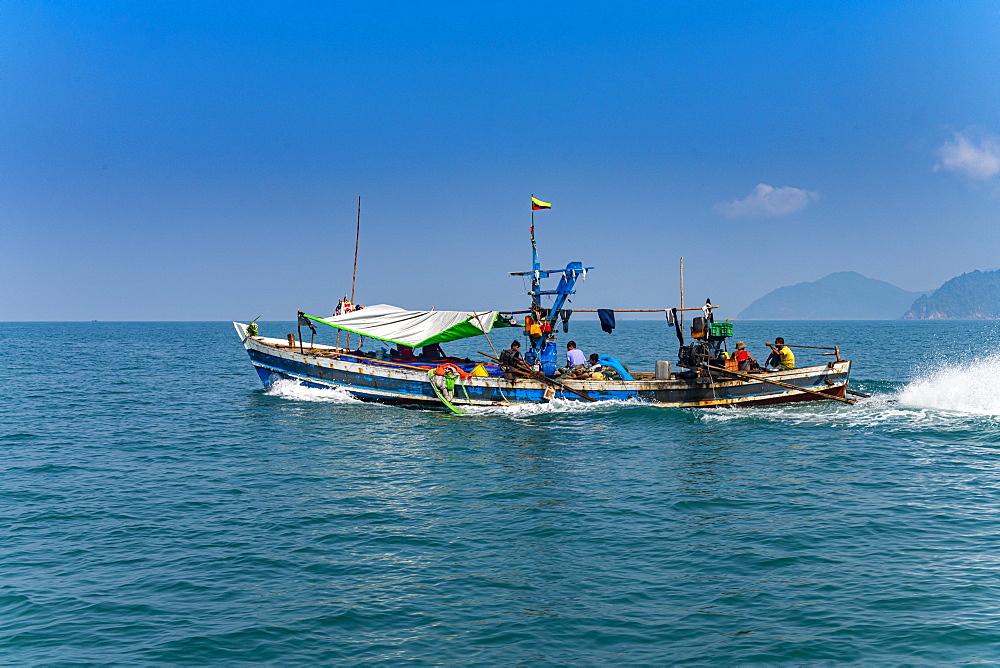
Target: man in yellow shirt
[{"x": 781, "y": 356}]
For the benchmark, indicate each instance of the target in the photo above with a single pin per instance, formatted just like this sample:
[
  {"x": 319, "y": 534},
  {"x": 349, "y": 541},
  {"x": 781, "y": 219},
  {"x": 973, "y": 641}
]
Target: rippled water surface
[{"x": 160, "y": 507}]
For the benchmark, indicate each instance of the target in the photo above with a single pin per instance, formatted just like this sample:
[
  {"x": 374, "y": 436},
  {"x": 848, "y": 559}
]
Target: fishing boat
[{"x": 702, "y": 374}]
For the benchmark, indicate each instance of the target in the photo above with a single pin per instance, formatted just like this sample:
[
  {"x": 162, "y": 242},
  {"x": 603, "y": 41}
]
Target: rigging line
[{"x": 483, "y": 329}]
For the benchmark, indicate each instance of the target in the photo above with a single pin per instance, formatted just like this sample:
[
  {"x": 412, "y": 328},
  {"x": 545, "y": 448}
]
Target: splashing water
[
  {"x": 290, "y": 389},
  {"x": 968, "y": 387},
  {"x": 554, "y": 407}
]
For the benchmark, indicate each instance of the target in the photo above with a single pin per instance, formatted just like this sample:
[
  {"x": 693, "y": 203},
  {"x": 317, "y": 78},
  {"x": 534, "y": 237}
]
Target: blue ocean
[{"x": 160, "y": 507}]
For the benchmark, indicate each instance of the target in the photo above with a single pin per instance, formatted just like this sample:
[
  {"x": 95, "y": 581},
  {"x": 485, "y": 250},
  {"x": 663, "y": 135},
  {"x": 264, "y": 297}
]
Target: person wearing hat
[
  {"x": 781, "y": 356},
  {"x": 744, "y": 361}
]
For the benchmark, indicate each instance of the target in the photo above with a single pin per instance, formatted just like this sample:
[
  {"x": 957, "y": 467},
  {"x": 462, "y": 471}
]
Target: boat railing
[{"x": 835, "y": 349}]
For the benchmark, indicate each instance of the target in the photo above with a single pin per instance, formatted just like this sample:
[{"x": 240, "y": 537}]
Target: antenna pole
[
  {"x": 357, "y": 237},
  {"x": 534, "y": 259},
  {"x": 682, "y": 283},
  {"x": 354, "y": 274}
]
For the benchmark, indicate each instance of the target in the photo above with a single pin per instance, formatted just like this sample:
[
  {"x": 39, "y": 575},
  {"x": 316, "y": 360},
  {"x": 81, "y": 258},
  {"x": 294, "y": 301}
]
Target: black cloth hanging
[
  {"x": 303, "y": 320},
  {"x": 670, "y": 318},
  {"x": 607, "y": 317},
  {"x": 565, "y": 314}
]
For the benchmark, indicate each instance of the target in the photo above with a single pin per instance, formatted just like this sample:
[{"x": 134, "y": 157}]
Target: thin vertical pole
[
  {"x": 354, "y": 274},
  {"x": 536, "y": 299},
  {"x": 535, "y": 267},
  {"x": 340, "y": 308},
  {"x": 357, "y": 237},
  {"x": 339, "y": 304},
  {"x": 682, "y": 283}
]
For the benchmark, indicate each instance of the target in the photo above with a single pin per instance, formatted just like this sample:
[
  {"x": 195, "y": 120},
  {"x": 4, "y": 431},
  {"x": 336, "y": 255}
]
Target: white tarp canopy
[{"x": 414, "y": 328}]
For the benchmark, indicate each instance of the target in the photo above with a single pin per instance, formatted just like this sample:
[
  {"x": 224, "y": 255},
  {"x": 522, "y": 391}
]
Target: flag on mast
[{"x": 537, "y": 204}]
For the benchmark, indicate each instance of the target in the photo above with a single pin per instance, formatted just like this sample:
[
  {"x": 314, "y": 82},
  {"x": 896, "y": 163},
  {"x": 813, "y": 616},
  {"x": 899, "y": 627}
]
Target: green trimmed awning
[{"x": 415, "y": 328}]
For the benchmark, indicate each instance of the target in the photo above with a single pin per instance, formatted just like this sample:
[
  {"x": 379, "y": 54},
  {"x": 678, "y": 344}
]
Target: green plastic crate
[{"x": 722, "y": 329}]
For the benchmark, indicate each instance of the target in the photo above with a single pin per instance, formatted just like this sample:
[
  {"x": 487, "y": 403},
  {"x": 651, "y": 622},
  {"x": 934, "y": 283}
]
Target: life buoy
[{"x": 448, "y": 367}]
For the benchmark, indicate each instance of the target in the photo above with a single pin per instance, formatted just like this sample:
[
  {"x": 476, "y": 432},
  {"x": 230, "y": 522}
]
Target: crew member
[
  {"x": 595, "y": 363},
  {"x": 744, "y": 361},
  {"x": 574, "y": 357},
  {"x": 585, "y": 371},
  {"x": 781, "y": 356},
  {"x": 432, "y": 352},
  {"x": 510, "y": 359}
]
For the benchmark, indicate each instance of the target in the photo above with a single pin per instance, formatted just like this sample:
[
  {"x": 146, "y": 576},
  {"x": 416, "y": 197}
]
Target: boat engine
[{"x": 693, "y": 356}]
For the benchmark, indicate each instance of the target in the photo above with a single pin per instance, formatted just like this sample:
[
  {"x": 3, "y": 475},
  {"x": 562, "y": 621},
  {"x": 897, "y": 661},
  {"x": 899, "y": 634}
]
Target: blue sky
[{"x": 202, "y": 161}]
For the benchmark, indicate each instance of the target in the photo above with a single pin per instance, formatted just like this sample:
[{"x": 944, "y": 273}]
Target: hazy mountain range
[
  {"x": 972, "y": 296},
  {"x": 845, "y": 295}
]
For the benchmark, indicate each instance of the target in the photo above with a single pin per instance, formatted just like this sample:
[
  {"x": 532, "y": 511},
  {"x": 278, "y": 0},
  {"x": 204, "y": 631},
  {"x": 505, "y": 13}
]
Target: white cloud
[
  {"x": 765, "y": 200},
  {"x": 979, "y": 161}
]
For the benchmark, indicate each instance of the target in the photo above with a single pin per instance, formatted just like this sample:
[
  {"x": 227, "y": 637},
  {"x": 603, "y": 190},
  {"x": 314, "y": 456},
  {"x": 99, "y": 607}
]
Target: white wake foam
[
  {"x": 293, "y": 390},
  {"x": 972, "y": 386},
  {"x": 945, "y": 396},
  {"x": 290, "y": 389},
  {"x": 879, "y": 411},
  {"x": 553, "y": 407}
]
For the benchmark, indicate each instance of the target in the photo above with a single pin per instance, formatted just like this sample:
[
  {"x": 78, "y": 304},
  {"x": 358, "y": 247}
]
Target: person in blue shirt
[
  {"x": 574, "y": 355},
  {"x": 574, "y": 358}
]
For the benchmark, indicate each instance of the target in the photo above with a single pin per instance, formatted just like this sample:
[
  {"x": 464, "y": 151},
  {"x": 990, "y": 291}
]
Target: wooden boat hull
[{"x": 371, "y": 380}]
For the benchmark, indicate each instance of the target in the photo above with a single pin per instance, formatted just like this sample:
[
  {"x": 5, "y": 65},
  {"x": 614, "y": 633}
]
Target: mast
[
  {"x": 682, "y": 283},
  {"x": 357, "y": 237},
  {"x": 354, "y": 273},
  {"x": 562, "y": 292},
  {"x": 535, "y": 267}
]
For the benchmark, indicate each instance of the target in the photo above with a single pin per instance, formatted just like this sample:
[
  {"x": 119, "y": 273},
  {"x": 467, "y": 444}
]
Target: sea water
[{"x": 160, "y": 507}]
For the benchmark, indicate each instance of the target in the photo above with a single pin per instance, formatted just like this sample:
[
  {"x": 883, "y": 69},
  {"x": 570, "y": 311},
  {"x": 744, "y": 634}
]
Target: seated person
[
  {"x": 744, "y": 361},
  {"x": 576, "y": 372},
  {"x": 432, "y": 352},
  {"x": 574, "y": 357},
  {"x": 586, "y": 370},
  {"x": 406, "y": 353},
  {"x": 510, "y": 360},
  {"x": 595, "y": 363},
  {"x": 781, "y": 357},
  {"x": 596, "y": 368}
]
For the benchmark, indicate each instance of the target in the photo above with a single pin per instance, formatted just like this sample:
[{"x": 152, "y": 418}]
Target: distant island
[
  {"x": 844, "y": 295},
  {"x": 972, "y": 296}
]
